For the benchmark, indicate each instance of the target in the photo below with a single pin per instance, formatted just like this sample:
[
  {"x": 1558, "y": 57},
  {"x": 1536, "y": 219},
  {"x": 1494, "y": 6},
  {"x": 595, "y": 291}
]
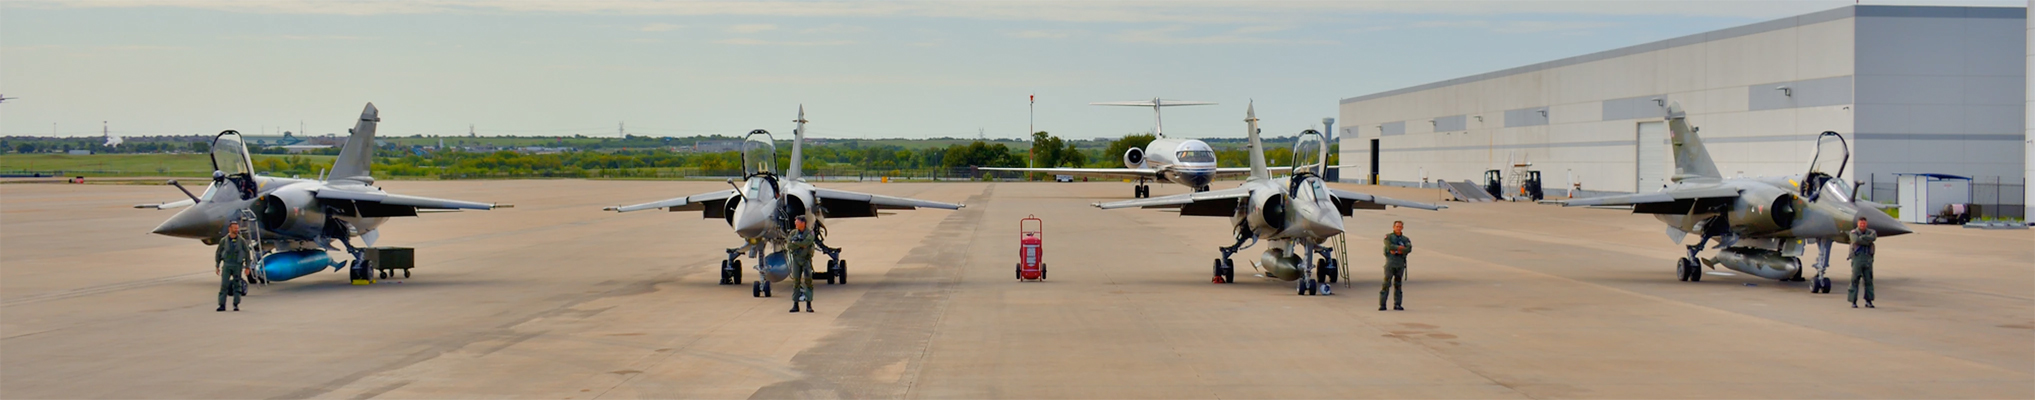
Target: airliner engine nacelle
[
  {"x": 291, "y": 212},
  {"x": 1764, "y": 211},
  {"x": 1134, "y": 158},
  {"x": 1281, "y": 264}
]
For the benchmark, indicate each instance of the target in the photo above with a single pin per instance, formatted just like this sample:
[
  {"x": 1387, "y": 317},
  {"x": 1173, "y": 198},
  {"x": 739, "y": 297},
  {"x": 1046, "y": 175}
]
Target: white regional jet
[
  {"x": 761, "y": 209},
  {"x": 1186, "y": 162},
  {"x": 1296, "y": 214}
]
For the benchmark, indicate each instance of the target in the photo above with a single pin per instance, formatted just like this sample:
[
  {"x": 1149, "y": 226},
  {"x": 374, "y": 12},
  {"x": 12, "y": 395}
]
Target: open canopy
[
  {"x": 759, "y": 153},
  {"x": 229, "y": 154}
]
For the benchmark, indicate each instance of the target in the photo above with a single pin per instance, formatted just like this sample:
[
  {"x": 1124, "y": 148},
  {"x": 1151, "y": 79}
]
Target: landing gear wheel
[
  {"x": 1687, "y": 270},
  {"x": 1695, "y": 271},
  {"x": 756, "y": 289},
  {"x": 724, "y": 273},
  {"x": 1229, "y": 271},
  {"x": 766, "y": 288},
  {"x": 1308, "y": 287},
  {"x": 841, "y": 272},
  {"x": 1218, "y": 272},
  {"x": 735, "y": 272},
  {"x": 831, "y": 265}
]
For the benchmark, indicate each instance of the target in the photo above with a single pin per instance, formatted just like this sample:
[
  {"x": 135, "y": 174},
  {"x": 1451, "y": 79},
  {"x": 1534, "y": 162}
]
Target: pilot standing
[
  {"x": 231, "y": 266},
  {"x": 1397, "y": 246},
  {"x": 801, "y": 246},
  {"x": 1862, "y": 249}
]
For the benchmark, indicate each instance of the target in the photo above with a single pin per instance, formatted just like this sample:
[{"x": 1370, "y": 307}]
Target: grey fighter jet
[
  {"x": 1186, "y": 162},
  {"x": 298, "y": 218},
  {"x": 1296, "y": 214},
  {"x": 1760, "y": 224},
  {"x": 763, "y": 204}
]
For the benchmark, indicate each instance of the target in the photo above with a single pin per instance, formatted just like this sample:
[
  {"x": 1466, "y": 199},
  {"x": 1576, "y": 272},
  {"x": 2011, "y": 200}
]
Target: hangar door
[{"x": 1654, "y": 170}]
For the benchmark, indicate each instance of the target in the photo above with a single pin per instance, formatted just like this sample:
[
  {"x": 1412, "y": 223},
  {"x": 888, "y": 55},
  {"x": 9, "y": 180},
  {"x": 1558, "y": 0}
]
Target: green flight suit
[
  {"x": 232, "y": 263},
  {"x": 1862, "y": 249},
  {"x": 801, "y": 247},
  {"x": 1397, "y": 246}
]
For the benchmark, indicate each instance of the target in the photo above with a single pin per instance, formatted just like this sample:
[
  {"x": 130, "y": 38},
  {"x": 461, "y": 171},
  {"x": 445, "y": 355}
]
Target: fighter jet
[
  {"x": 1760, "y": 223},
  {"x": 1186, "y": 162},
  {"x": 298, "y": 219},
  {"x": 1296, "y": 214},
  {"x": 762, "y": 206}
]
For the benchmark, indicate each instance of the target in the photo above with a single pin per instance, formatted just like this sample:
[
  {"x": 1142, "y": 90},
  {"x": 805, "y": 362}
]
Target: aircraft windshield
[
  {"x": 1308, "y": 151},
  {"x": 1196, "y": 156},
  {"x": 229, "y": 154},
  {"x": 759, "y": 153}
]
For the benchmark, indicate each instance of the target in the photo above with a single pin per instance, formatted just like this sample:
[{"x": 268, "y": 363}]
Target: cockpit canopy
[
  {"x": 229, "y": 155},
  {"x": 1826, "y": 166},
  {"x": 759, "y": 153},
  {"x": 1310, "y": 152}
]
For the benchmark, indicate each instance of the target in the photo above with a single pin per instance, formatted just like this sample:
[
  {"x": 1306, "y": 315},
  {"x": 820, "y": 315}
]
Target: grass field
[{"x": 197, "y": 165}]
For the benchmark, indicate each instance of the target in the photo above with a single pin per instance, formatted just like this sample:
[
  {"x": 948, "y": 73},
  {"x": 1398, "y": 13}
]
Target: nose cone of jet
[
  {"x": 189, "y": 223},
  {"x": 1885, "y": 224},
  {"x": 751, "y": 218}
]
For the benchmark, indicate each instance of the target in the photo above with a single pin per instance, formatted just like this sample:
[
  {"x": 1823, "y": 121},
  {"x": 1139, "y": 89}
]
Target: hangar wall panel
[{"x": 1726, "y": 80}]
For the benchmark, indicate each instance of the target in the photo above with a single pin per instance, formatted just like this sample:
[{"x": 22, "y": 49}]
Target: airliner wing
[
  {"x": 845, "y": 204},
  {"x": 1090, "y": 172},
  {"x": 1241, "y": 171},
  {"x": 697, "y": 202}
]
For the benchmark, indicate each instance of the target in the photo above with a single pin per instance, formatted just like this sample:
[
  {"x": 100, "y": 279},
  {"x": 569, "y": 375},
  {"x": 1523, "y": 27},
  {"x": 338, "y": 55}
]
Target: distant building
[
  {"x": 1913, "y": 89},
  {"x": 717, "y": 146},
  {"x": 80, "y": 152}
]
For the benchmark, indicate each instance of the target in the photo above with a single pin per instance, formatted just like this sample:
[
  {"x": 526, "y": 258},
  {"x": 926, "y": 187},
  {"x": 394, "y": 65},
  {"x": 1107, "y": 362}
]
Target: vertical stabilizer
[
  {"x": 1257, "y": 149},
  {"x": 798, "y": 143},
  {"x": 1692, "y": 160},
  {"x": 358, "y": 154},
  {"x": 1158, "y": 119}
]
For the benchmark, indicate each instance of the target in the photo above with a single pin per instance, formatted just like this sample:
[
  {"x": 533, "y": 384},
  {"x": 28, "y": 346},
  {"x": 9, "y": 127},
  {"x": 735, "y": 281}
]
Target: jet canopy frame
[{"x": 1310, "y": 152}]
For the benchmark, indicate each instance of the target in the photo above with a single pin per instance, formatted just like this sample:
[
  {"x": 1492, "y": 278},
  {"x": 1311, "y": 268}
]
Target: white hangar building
[{"x": 1914, "y": 89}]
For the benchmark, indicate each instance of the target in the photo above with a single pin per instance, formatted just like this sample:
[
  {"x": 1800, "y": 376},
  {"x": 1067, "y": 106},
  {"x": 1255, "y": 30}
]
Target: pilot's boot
[
  {"x": 1868, "y": 303},
  {"x": 809, "y": 306},
  {"x": 221, "y": 308}
]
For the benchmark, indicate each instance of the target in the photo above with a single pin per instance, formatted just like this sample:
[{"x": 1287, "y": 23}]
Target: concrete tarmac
[{"x": 557, "y": 299}]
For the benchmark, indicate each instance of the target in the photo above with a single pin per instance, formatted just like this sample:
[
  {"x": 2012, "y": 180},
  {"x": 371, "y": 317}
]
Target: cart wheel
[
  {"x": 1018, "y": 271},
  {"x": 382, "y": 274},
  {"x": 1042, "y": 271},
  {"x": 406, "y": 273}
]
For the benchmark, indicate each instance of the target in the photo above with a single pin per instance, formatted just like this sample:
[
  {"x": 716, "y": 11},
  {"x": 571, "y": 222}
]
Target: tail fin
[
  {"x": 358, "y": 154},
  {"x": 1257, "y": 146},
  {"x": 1158, "y": 121},
  {"x": 798, "y": 142},
  {"x": 1692, "y": 160}
]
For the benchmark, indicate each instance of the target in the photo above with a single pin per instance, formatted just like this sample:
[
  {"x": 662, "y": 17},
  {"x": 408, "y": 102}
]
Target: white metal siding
[{"x": 1653, "y": 156}]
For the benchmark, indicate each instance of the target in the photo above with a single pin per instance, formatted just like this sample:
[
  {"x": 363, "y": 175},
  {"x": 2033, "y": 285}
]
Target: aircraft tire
[
  {"x": 1229, "y": 271},
  {"x": 756, "y": 289},
  {"x": 766, "y": 288},
  {"x": 724, "y": 272},
  {"x": 1695, "y": 272},
  {"x": 1218, "y": 271},
  {"x": 735, "y": 274},
  {"x": 841, "y": 273},
  {"x": 1682, "y": 269}
]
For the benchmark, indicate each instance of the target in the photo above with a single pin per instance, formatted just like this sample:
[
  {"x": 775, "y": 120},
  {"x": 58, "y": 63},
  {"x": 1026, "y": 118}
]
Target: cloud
[
  {"x": 1518, "y": 26},
  {"x": 1041, "y": 34},
  {"x": 835, "y": 29},
  {"x": 1219, "y": 12},
  {"x": 761, "y": 42},
  {"x": 1178, "y": 34},
  {"x": 751, "y": 28},
  {"x": 659, "y": 27}
]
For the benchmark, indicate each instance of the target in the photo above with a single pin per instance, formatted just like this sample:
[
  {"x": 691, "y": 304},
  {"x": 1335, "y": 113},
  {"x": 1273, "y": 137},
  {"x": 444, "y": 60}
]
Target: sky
[{"x": 860, "y": 69}]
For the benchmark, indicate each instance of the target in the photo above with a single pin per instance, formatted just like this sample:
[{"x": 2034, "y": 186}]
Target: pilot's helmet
[{"x": 218, "y": 175}]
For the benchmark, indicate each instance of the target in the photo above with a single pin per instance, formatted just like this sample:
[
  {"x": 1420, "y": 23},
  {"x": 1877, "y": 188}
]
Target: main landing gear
[
  {"x": 1688, "y": 268},
  {"x": 1226, "y": 270},
  {"x": 1323, "y": 271}
]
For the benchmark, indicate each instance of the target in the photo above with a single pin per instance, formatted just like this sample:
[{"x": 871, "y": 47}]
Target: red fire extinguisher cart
[{"x": 1031, "y": 264}]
